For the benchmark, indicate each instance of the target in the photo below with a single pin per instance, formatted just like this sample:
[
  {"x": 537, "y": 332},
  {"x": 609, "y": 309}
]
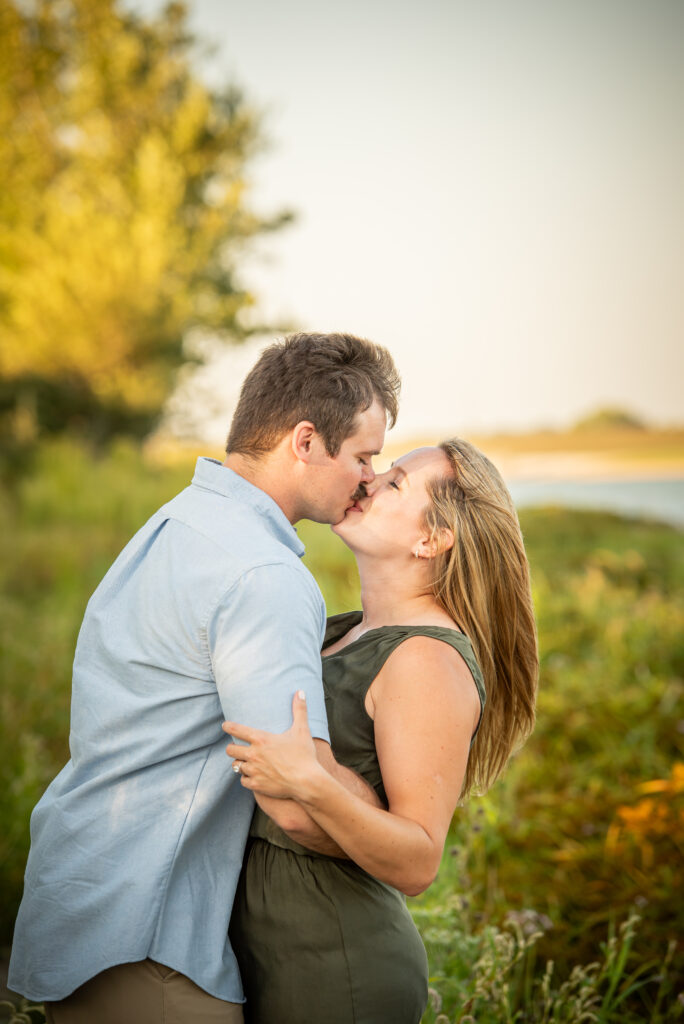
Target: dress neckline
[{"x": 358, "y": 615}]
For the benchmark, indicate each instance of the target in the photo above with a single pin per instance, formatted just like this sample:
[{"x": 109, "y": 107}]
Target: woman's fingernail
[{"x": 301, "y": 695}]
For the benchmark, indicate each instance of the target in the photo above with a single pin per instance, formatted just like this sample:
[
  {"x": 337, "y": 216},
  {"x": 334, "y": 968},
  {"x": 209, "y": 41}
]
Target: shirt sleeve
[{"x": 264, "y": 641}]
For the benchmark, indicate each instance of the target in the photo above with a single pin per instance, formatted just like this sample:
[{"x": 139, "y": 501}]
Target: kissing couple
[{"x": 253, "y": 789}]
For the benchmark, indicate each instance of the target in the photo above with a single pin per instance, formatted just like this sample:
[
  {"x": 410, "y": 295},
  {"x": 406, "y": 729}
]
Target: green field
[{"x": 586, "y": 828}]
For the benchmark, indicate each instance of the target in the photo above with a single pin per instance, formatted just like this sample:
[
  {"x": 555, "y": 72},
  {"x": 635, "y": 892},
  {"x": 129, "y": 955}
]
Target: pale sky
[{"x": 493, "y": 189}]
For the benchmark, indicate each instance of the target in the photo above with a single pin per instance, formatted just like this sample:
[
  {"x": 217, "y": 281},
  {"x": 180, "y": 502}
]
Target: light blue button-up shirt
[{"x": 136, "y": 846}]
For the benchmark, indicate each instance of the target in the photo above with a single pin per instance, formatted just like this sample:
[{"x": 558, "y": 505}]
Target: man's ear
[
  {"x": 302, "y": 440},
  {"x": 429, "y": 547}
]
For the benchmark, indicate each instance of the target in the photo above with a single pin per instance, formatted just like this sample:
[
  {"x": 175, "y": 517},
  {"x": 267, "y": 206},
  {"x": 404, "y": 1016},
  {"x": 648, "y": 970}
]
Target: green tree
[{"x": 123, "y": 214}]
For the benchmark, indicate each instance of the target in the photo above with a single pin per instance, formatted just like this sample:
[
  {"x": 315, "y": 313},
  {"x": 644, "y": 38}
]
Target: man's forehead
[
  {"x": 366, "y": 442},
  {"x": 371, "y": 422}
]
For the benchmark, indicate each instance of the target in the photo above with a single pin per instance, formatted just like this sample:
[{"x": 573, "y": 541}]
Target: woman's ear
[
  {"x": 302, "y": 440},
  {"x": 429, "y": 547}
]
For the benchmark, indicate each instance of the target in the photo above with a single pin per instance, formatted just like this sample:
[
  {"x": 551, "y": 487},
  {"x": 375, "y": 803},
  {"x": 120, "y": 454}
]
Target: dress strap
[{"x": 372, "y": 649}]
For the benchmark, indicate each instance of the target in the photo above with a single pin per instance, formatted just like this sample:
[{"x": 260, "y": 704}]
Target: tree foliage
[
  {"x": 610, "y": 419},
  {"x": 123, "y": 212}
]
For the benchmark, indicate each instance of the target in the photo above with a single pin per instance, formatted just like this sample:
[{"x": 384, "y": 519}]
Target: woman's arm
[
  {"x": 298, "y": 823},
  {"x": 425, "y": 711}
]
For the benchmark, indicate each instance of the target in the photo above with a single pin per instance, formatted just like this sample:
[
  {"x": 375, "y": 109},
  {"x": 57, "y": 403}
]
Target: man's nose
[
  {"x": 371, "y": 485},
  {"x": 368, "y": 475}
]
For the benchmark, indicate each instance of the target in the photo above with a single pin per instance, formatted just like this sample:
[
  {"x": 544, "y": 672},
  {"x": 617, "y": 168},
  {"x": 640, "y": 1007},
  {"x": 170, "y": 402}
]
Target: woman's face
[{"x": 390, "y": 520}]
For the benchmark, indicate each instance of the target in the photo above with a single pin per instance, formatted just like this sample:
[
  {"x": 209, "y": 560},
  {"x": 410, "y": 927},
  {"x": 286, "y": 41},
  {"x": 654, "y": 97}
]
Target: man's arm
[
  {"x": 264, "y": 642},
  {"x": 294, "y": 820}
]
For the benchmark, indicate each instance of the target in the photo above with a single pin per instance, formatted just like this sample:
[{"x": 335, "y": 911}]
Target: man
[{"x": 207, "y": 614}]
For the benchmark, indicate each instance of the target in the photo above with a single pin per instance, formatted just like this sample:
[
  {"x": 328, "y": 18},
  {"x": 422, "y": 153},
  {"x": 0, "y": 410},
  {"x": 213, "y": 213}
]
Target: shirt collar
[{"x": 212, "y": 475}]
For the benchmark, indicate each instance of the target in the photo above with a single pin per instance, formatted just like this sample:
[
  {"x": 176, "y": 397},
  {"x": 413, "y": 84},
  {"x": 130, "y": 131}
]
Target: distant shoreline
[
  {"x": 577, "y": 456},
  {"x": 582, "y": 467}
]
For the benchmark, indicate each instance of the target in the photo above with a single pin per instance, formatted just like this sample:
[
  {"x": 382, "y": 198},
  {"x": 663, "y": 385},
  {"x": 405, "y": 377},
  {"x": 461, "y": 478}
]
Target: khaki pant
[{"x": 142, "y": 993}]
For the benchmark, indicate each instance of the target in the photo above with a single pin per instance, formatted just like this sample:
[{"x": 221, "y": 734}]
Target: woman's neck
[{"x": 392, "y": 595}]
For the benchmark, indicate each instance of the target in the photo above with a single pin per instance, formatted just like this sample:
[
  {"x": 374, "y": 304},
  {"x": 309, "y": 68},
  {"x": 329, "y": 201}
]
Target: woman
[{"x": 428, "y": 690}]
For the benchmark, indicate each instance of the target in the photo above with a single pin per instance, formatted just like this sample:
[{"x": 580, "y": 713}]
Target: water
[{"x": 654, "y": 499}]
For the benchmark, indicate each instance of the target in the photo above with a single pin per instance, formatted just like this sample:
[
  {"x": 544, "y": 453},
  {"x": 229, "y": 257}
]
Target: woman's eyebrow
[{"x": 398, "y": 469}]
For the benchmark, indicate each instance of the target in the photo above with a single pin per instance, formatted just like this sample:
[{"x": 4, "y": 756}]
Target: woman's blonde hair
[{"x": 483, "y": 583}]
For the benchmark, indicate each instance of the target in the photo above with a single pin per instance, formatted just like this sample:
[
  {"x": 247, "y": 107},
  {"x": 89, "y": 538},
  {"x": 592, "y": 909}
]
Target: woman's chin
[{"x": 342, "y": 529}]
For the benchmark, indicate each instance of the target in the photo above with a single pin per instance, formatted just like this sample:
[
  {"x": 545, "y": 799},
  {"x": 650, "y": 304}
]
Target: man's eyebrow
[{"x": 371, "y": 454}]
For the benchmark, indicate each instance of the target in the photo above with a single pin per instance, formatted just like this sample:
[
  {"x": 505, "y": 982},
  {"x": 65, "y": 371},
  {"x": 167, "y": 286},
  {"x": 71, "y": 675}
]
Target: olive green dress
[{"x": 318, "y": 939}]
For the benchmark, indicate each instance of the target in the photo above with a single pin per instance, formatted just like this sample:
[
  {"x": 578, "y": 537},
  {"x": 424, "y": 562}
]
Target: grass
[{"x": 584, "y": 834}]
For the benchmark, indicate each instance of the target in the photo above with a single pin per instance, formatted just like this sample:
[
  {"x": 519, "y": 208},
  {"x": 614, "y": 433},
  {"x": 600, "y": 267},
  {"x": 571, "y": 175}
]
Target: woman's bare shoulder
[
  {"x": 422, "y": 650},
  {"x": 425, "y": 668},
  {"x": 424, "y": 686}
]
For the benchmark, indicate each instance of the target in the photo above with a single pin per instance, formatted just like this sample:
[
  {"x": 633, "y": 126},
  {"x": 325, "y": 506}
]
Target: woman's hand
[
  {"x": 426, "y": 708},
  {"x": 275, "y": 764}
]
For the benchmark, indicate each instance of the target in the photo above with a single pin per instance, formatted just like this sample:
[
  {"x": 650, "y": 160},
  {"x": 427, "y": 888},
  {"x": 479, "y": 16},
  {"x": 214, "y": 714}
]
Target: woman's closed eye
[{"x": 393, "y": 483}]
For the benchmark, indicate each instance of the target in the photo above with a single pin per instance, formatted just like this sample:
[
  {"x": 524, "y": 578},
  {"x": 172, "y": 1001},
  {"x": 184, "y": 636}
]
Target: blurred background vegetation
[
  {"x": 125, "y": 214},
  {"x": 586, "y": 827}
]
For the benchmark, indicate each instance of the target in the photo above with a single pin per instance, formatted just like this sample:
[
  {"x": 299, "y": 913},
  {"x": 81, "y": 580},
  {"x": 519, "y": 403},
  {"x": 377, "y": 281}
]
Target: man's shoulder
[
  {"x": 235, "y": 540},
  {"x": 204, "y": 545},
  {"x": 228, "y": 524},
  {"x": 280, "y": 572}
]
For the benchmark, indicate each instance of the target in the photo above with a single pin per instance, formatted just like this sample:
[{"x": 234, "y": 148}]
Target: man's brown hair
[{"x": 327, "y": 379}]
